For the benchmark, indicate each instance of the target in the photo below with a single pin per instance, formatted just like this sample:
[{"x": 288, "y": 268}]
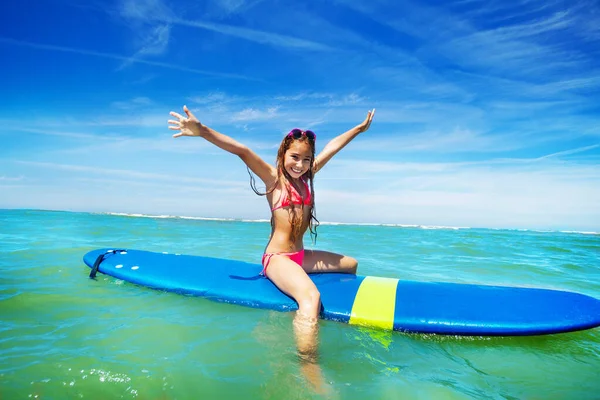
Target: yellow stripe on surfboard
[{"x": 375, "y": 303}]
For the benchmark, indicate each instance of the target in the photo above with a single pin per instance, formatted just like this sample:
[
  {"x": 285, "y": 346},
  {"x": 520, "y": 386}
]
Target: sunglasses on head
[{"x": 298, "y": 133}]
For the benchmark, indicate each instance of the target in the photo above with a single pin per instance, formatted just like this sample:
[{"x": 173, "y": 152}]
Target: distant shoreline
[{"x": 414, "y": 226}]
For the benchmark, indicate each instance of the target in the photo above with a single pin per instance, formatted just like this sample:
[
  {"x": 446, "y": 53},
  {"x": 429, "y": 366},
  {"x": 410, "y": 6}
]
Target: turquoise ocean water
[{"x": 63, "y": 335}]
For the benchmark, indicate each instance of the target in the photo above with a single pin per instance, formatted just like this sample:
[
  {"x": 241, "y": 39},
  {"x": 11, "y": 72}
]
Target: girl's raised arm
[
  {"x": 338, "y": 143},
  {"x": 191, "y": 126}
]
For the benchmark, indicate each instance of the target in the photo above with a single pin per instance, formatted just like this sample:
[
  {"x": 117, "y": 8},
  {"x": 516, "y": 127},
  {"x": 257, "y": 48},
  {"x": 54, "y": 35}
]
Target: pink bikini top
[{"x": 295, "y": 198}]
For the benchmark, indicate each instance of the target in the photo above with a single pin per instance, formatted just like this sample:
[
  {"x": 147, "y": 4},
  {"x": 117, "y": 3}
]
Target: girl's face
[{"x": 296, "y": 160}]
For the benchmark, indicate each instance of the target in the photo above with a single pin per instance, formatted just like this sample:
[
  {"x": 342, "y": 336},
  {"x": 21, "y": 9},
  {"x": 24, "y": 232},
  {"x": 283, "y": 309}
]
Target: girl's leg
[
  {"x": 291, "y": 279},
  {"x": 325, "y": 261}
]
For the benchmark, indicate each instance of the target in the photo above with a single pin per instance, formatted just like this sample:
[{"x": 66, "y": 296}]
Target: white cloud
[
  {"x": 212, "y": 98},
  {"x": 11, "y": 178},
  {"x": 457, "y": 140},
  {"x": 151, "y": 38},
  {"x": 92, "y": 53},
  {"x": 503, "y": 194},
  {"x": 66, "y": 134},
  {"x": 305, "y": 96},
  {"x": 155, "y": 42},
  {"x": 252, "y": 114},
  {"x": 263, "y": 37},
  {"x": 569, "y": 152},
  {"x": 155, "y": 11},
  {"x": 123, "y": 174},
  {"x": 143, "y": 10},
  {"x": 498, "y": 11},
  {"x": 351, "y": 99},
  {"x": 226, "y": 8},
  {"x": 132, "y": 104}
]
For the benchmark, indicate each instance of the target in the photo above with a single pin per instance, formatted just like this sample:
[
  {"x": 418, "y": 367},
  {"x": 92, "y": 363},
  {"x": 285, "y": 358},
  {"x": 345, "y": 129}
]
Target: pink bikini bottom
[{"x": 297, "y": 257}]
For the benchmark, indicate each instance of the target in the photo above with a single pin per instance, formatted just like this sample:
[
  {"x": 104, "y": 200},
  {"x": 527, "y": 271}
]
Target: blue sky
[{"x": 488, "y": 112}]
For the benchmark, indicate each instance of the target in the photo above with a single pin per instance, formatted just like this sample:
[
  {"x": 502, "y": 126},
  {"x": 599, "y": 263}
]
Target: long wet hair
[{"x": 286, "y": 181}]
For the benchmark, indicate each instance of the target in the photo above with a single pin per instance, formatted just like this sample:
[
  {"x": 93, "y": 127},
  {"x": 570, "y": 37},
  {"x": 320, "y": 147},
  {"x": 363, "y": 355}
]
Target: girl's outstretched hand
[
  {"x": 189, "y": 126},
  {"x": 367, "y": 122}
]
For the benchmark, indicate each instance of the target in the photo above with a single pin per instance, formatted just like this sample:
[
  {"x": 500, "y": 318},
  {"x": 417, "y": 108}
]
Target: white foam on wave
[
  {"x": 166, "y": 216},
  {"x": 582, "y": 232},
  {"x": 349, "y": 223},
  {"x": 402, "y": 225},
  {"x": 443, "y": 227},
  {"x": 206, "y": 218},
  {"x": 262, "y": 220},
  {"x": 254, "y": 220},
  {"x": 332, "y": 223},
  {"x": 544, "y": 231}
]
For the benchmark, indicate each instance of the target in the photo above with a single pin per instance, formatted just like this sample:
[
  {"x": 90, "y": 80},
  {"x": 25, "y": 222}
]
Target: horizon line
[{"x": 329, "y": 223}]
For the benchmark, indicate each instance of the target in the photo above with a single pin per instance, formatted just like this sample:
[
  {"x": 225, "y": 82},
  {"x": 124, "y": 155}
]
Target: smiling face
[{"x": 297, "y": 158}]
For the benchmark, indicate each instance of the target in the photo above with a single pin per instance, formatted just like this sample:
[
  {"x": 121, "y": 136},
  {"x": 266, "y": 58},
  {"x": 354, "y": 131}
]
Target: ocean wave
[
  {"x": 582, "y": 232},
  {"x": 136, "y": 215},
  {"x": 333, "y": 223},
  {"x": 330, "y": 223},
  {"x": 443, "y": 227}
]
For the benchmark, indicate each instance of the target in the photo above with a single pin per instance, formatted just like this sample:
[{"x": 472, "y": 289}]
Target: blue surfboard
[{"x": 393, "y": 304}]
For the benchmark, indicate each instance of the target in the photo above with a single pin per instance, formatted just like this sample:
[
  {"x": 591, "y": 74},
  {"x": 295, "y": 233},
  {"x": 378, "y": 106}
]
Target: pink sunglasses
[{"x": 298, "y": 133}]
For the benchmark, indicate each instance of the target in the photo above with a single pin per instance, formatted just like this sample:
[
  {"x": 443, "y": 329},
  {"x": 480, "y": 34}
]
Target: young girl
[{"x": 289, "y": 191}]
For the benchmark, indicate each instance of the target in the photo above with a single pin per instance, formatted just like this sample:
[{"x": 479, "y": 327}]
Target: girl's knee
[
  {"x": 310, "y": 301},
  {"x": 352, "y": 265}
]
